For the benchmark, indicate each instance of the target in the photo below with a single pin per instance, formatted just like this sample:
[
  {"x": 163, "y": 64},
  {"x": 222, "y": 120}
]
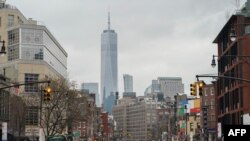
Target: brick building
[
  {"x": 208, "y": 116},
  {"x": 233, "y": 43}
]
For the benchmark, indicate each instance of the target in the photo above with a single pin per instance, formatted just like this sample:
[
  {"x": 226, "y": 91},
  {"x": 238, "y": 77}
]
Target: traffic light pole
[
  {"x": 41, "y": 104},
  {"x": 30, "y": 83}
]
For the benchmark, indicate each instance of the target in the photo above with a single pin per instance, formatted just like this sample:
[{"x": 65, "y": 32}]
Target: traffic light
[
  {"x": 116, "y": 95},
  {"x": 193, "y": 88},
  {"x": 201, "y": 85},
  {"x": 47, "y": 94}
]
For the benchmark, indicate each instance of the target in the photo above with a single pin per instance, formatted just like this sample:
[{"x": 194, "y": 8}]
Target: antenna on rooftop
[
  {"x": 227, "y": 14},
  {"x": 108, "y": 18},
  {"x": 237, "y": 5}
]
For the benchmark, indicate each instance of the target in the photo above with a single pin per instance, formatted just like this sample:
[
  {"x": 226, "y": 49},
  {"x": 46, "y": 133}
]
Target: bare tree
[
  {"x": 60, "y": 110},
  {"x": 17, "y": 115}
]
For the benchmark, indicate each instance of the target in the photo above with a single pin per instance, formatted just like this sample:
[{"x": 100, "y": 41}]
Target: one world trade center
[{"x": 109, "y": 69}]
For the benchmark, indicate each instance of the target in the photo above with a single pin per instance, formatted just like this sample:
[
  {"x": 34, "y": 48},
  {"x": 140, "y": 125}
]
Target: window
[
  {"x": 82, "y": 109},
  {"x": 10, "y": 20},
  {"x": 13, "y": 52},
  {"x": 212, "y": 104},
  {"x": 212, "y": 91},
  {"x": 31, "y": 78},
  {"x": 206, "y": 91},
  {"x": 205, "y": 103},
  {"x": 4, "y": 106},
  {"x": 0, "y": 21},
  {"x": 19, "y": 20},
  {"x": 13, "y": 37},
  {"x": 31, "y": 117},
  {"x": 39, "y": 55}
]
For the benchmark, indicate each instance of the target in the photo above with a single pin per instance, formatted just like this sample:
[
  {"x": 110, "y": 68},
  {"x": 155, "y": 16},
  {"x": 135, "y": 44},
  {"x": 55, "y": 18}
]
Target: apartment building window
[
  {"x": 10, "y": 20},
  {"x": 39, "y": 55},
  {"x": 212, "y": 91},
  {"x": 29, "y": 77},
  {"x": 4, "y": 105},
  {"x": 212, "y": 120},
  {"x": 212, "y": 104},
  {"x": 31, "y": 117},
  {"x": 82, "y": 109},
  {"x": 13, "y": 52},
  {"x": 19, "y": 20},
  {"x": 206, "y": 91},
  {"x": 13, "y": 37},
  {"x": 13, "y": 40},
  {"x": 205, "y": 103}
]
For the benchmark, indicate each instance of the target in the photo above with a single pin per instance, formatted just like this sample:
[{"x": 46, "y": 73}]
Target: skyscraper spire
[{"x": 108, "y": 20}]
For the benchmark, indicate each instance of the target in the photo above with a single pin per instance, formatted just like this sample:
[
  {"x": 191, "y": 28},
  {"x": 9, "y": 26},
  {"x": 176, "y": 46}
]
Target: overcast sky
[{"x": 167, "y": 38}]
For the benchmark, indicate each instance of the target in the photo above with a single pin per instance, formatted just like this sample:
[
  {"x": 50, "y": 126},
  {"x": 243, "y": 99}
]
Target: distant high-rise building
[
  {"x": 155, "y": 86},
  {"x": 92, "y": 88},
  {"x": 109, "y": 70},
  {"x": 170, "y": 86},
  {"x": 128, "y": 83},
  {"x": 128, "y": 86},
  {"x": 136, "y": 117}
]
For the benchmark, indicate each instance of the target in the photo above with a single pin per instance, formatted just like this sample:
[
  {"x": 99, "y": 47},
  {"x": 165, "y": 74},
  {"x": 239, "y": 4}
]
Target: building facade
[
  {"x": 10, "y": 16},
  {"x": 170, "y": 86},
  {"x": 33, "y": 54},
  {"x": 120, "y": 114},
  {"x": 109, "y": 68},
  {"x": 233, "y": 43},
  {"x": 208, "y": 114},
  {"x": 139, "y": 120}
]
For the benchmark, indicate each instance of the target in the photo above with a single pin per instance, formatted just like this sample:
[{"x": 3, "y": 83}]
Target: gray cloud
[{"x": 155, "y": 37}]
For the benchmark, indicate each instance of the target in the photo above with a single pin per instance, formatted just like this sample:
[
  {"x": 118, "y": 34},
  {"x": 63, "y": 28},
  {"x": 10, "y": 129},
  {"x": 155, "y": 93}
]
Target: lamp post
[
  {"x": 186, "y": 116},
  {"x": 213, "y": 64},
  {"x": 3, "y": 49},
  {"x": 102, "y": 131}
]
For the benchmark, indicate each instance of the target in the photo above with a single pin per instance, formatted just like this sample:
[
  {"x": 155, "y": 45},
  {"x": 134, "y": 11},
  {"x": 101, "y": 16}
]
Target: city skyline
[{"x": 149, "y": 36}]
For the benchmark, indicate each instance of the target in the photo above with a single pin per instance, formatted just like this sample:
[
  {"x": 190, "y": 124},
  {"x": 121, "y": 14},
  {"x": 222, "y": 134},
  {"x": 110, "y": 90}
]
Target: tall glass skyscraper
[
  {"x": 109, "y": 75},
  {"x": 128, "y": 83}
]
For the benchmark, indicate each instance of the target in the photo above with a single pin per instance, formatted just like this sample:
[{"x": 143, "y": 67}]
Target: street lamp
[
  {"x": 3, "y": 49},
  {"x": 232, "y": 34},
  {"x": 186, "y": 121},
  {"x": 213, "y": 64}
]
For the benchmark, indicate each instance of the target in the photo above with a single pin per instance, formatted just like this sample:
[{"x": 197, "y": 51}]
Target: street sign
[
  {"x": 77, "y": 134},
  {"x": 211, "y": 130},
  {"x": 32, "y": 131},
  {"x": 4, "y": 131},
  {"x": 56, "y": 138},
  {"x": 219, "y": 129}
]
